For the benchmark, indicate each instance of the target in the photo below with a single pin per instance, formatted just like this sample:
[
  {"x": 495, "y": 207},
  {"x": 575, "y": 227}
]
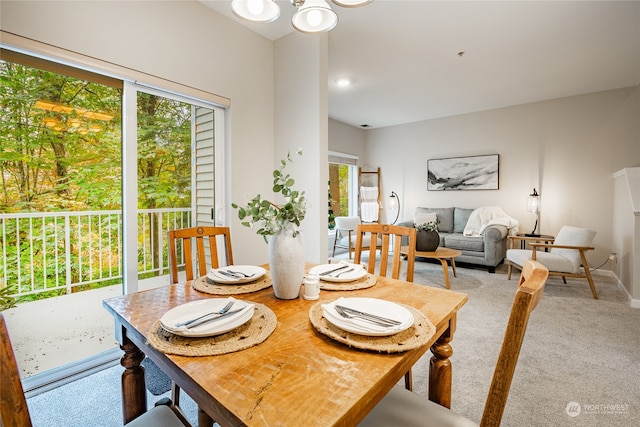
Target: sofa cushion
[
  {"x": 460, "y": 219},
  {"x": 464, "y": 243},
  {"x": 445, "y": 215},
  {"x": 424, "y": 218}
]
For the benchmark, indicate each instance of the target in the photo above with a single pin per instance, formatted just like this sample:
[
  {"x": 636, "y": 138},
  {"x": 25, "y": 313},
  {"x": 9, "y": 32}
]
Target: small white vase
[{"x": 286, "y": 262}]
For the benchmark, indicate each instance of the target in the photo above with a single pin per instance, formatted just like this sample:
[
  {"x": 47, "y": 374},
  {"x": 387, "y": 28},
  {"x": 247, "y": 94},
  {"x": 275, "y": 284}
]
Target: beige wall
[
  {"x": 566, "y": 148},
  {"x": 184, "y": 42}
]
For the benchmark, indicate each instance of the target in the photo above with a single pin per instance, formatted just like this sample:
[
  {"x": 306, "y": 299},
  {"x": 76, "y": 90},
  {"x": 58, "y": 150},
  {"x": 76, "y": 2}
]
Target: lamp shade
[
  {"x": 314, "y": 16},
  {"x": 256, "y": 10},
  {"x": 351, "y": 3},
  {"x": 533, "y": 202}
]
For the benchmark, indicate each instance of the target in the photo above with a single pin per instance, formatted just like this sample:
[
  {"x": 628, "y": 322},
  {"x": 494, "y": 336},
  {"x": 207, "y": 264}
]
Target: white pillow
[{"x": 424, "y": 218}]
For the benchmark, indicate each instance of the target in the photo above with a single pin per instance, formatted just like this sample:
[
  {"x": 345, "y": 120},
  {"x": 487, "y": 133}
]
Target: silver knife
[
  {"x": 324, "y": 273},
  {"x": 372, "y": 316},
  {"x": 213, "y": 317}
]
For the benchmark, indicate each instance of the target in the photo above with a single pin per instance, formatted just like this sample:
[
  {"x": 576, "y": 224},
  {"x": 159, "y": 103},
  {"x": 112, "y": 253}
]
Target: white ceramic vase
[{"x": 286, "y": 262}]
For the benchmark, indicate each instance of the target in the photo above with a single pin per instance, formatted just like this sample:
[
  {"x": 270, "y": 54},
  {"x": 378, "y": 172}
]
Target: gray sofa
[{"x": 487, "y": 250}]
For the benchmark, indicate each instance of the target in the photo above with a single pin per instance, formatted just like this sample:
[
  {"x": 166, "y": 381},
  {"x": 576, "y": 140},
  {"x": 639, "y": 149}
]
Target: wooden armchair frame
[{"x": 535, "y": 246}]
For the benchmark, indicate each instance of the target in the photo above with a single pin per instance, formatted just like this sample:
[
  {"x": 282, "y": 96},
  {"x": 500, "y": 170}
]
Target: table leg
[
  {"x": 453, "y": 266},
  {"x": 134, "y": 392},
  {"x": 204, "y": 420},
  {"x": 445, "y": 269},
  {"x": 440, "y": 368}
]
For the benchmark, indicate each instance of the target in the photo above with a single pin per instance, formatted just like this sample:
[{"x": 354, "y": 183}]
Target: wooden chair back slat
[
  {"x": 385, "y": 232},
  {"x": 198, "y": 235},
  {"x": 531, "y": 286}
]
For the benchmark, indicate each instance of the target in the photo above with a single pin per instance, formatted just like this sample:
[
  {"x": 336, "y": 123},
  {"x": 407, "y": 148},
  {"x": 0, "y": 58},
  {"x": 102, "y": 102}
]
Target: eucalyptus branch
[{"x": 271, "y": 216}]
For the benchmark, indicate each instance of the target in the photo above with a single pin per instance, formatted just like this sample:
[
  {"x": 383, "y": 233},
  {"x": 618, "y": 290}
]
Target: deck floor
[{"x": 49, "y": 333}]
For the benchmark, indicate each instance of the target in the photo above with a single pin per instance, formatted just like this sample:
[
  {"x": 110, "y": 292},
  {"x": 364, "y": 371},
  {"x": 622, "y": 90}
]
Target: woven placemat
[
  {"x": 203, "y": 284},
  {"x": 255, "y": 331},
  {"x": 416, "y": 336},
  {"x": 362, "y": 283}
]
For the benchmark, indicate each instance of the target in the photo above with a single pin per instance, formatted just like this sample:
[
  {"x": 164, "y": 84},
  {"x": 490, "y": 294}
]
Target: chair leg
[
  {"x": 509, "y": 272},
  {"x": 591, "y": 284},
  {"x": 408, "y": 380}
]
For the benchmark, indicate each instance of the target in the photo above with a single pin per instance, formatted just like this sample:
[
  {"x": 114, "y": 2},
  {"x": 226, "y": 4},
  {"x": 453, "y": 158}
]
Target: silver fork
[
  {"x": 344, "y": 314},
  {"x": 341, "y": 273},
  {"x": 223, "y": 310},
  {"x": 241, "y": 273}
]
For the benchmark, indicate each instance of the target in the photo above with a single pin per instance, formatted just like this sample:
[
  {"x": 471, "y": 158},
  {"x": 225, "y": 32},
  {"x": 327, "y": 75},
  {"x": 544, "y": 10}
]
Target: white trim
[
  {"x": 53, "y": 378},
  {"x": 53, "y": 53}
]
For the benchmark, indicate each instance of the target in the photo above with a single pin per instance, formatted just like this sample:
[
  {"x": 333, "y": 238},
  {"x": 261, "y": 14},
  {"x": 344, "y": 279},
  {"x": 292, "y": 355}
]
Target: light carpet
[{"x": 578, "y": 351}]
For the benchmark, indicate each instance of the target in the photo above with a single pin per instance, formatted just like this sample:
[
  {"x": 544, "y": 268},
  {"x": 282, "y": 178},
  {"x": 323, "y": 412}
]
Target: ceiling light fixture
[{"x": 312, "y": 16}]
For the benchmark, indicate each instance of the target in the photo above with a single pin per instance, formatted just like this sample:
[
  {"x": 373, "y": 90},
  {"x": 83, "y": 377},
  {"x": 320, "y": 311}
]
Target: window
[{"x": 343, "y": 192}]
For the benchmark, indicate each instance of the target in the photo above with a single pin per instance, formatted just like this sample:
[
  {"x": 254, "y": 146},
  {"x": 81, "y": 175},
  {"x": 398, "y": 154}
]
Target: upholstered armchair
[{"x": 565, "y": 257}]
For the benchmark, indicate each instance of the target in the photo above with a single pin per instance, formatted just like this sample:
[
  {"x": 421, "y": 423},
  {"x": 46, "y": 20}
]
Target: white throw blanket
[
  {"x": 369, "y": 194},
  {"x": 369, "y": 211},
  {"x": 485, "y": 216}
]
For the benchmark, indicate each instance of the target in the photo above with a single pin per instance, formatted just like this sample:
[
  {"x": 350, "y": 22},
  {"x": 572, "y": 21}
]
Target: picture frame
[{"x": 463, "y": 173}]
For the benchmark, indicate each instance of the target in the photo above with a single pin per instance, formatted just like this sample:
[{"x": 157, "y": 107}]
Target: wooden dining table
[{"x": 297, "y": 376}]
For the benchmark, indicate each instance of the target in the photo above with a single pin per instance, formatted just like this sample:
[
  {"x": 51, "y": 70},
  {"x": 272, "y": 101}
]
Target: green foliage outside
[{"x": 61, "y": 150}]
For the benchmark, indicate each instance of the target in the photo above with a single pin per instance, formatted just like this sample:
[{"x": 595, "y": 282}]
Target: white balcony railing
[{"x": 59, "y": 251}]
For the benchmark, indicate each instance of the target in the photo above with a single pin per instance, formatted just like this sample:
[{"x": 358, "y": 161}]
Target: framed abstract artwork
[{"x": 463, "y": 173}]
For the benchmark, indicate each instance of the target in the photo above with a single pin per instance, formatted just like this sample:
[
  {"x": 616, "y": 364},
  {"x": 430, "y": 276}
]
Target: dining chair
[
  {"x": 14, "y": 411},
  {"x": 404, "y": 408},
  {"x": 198, "y": 235},
  {"x": 386, "y": 233},
  {"x": 565, "y": 257},
  {"x": 345, "y": 234}
]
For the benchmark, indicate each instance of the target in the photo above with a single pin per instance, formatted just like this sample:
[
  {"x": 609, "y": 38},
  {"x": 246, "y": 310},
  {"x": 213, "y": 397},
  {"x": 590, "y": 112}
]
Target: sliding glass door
[{"x": 94, "y": 172}]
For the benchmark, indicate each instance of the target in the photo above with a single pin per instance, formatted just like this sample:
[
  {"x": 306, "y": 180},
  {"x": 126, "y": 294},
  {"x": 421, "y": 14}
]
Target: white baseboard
[{"x": 634, "y": 303}]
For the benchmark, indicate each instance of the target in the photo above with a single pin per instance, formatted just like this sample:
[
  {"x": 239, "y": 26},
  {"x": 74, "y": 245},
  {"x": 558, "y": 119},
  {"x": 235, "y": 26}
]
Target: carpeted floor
[{"x": 578, "y": 351}]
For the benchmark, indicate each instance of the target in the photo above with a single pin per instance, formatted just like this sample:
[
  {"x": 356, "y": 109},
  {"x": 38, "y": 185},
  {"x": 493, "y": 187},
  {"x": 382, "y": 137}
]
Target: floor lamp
[
  {"x": 533, "y": 206},
  {"x": 395, "y": 204}
]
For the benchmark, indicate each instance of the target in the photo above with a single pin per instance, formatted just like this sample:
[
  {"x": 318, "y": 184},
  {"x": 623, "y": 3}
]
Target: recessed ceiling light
[{"x": 343, "y": 82}]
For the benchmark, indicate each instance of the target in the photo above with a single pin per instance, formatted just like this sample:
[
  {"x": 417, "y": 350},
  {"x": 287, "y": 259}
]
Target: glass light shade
[
  {"x": 533, "y": 202},
  {"x": 314, "y": 16},
  {"x": 393, "y": 201},
  {"x": 351, "y": 3},
  {"x": 256, "y": 10}
]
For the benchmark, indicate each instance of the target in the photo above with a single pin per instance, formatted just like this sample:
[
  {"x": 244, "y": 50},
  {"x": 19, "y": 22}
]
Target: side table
[
  {"x": 546, "y": 238},
  {"x": 441, "y": 254}
]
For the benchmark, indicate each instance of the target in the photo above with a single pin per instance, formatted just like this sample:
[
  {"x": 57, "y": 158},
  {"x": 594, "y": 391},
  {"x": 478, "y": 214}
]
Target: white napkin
[
  {"x": 214, "y": 325},
  {"x": 355, "y": 323},
  {"x": 357, "y": 271},
  {"x": 214, "y": 272},
  {"x": 330, "y": 267}
]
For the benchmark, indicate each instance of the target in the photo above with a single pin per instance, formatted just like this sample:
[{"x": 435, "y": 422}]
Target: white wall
[
  {"x": 566, "y": 148},
  {"x": 626, "y": 230},
  {"x": 347, "y": 139},
  {"x": 301, "y": 121},
  {"x": 184, "y": 42}
]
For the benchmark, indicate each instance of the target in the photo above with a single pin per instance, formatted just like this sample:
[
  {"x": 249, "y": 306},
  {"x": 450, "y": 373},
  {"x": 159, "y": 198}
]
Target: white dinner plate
[
  {"x": 358, "y": 272},
  {"x": 254, "y": 271},
  {"x": 194, "y": 309},
  {"x": 375, "y": 306}
]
